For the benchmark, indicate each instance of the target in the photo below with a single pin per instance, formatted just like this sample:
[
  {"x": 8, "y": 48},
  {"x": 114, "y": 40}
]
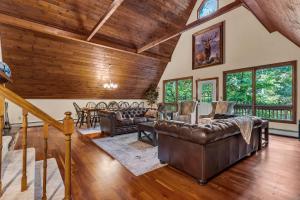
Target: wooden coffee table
[{"x": 147, "y": 133}]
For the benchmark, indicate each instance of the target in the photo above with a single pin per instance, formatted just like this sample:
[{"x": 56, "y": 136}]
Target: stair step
[
  {"x": 55, "y": 184},
  {"x": 12, "y": 173}
]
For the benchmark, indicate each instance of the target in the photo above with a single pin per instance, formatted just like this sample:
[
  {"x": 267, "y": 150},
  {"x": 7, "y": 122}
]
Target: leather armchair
[
  {"x": 186, "y": 112},
  {"x": 229, "y": 111}
]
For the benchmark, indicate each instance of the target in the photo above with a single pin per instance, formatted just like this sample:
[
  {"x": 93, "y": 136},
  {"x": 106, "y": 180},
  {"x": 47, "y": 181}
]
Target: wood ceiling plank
[
  {"x": 113, "y": 7},
  {"x": 21, "y": 23},
  {"x": 221, "y": 11}
]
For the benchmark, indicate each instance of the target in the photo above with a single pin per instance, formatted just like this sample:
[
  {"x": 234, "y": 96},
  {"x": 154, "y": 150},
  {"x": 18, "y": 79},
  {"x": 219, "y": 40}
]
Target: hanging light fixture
[{"x": 110, "y": 85}]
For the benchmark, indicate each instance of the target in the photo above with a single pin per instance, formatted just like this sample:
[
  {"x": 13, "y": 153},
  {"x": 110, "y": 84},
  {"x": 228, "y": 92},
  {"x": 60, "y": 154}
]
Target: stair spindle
[
  {"x": 45, "y": 130},
  {"x": 68, "y": 131},
  {"x": 2, "y": 101},
  {"x": 24, "y": 147}
]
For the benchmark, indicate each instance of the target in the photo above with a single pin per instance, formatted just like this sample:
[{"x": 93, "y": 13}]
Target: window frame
[
  {"x": 201, "y": 6},
  {"x": 176, "y": 80},
  {"x": 293, "y": 64}
]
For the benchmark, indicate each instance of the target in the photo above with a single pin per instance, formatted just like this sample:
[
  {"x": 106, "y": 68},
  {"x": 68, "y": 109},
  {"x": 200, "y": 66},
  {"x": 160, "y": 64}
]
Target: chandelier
[{"x": 110, "y": 85}]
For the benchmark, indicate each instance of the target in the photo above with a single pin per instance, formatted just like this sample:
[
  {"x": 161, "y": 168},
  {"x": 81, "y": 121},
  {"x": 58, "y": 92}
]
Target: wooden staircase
[{"x": 67, "y": 128}]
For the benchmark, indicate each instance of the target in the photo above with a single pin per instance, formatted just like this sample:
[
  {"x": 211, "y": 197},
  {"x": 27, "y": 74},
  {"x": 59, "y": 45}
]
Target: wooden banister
[
  {"x": 13, "y": 97},
  {"x": 67, "y": 128}
]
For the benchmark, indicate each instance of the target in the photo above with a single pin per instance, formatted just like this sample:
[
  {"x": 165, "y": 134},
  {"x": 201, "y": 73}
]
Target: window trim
[
  {"x": 177, "y": 79},
  {"x": 254, "y": 69},
  {"x": 201, "y": 6}
]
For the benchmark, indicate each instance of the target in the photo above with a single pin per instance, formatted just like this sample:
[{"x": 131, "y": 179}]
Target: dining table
[{"x": 89, "y": 112}]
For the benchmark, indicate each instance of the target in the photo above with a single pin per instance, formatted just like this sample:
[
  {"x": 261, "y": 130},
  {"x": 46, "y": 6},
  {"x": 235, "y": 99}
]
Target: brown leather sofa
[
  {"x": 130, "y": 118},
  {"x": 204, "y": 151}
]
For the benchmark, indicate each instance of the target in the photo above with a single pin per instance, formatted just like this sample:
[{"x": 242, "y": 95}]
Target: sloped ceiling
[
  {"x": 46, "y": 66},
  {"x": 278, "y": 15}
]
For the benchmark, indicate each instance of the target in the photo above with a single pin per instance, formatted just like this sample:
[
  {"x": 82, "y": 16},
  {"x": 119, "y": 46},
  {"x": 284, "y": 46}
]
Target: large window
[
  {"x": 208, "y": 7},
  {"x": 267, "y": 91},
  {"x": 178, "y": 90}
]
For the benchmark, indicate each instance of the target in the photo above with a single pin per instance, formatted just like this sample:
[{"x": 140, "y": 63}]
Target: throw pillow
[
  {"x": 119, "y": 116},
  {"x": 151, "y": 113}
]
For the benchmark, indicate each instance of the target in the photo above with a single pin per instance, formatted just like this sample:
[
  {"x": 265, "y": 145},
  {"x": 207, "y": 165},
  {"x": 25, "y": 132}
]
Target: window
[
  {"x": 267, "y": 91},
  {"x": 206, "y": 92},
  {"x": 178, "y": 90},
  {"x": 207, "y": 7}
]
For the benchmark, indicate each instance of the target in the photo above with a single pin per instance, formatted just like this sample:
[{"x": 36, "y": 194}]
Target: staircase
[
  {"x": 21, "y": 177},
  {"x": 12, "y": 168}
]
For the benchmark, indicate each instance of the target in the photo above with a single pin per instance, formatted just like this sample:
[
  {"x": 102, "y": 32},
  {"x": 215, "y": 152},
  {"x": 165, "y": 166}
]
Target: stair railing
[{"x": 67, "y": 128}]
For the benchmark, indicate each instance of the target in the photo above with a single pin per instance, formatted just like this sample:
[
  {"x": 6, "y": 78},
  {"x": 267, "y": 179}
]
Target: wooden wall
[
  {"x": 45, "y": 66},
  {"x": 50, "y": 67}
]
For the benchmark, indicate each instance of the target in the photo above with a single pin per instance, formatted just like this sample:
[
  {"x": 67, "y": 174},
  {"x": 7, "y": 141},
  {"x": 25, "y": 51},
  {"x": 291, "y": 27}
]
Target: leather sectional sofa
[
  {"x": 203, "y": 151},
  {"x": 130, "y": 118}
]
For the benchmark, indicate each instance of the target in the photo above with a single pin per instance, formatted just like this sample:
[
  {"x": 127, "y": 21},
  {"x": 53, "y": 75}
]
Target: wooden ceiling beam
[
  {"x": 37, "y": 27},
  {"x": 221, "y": 11},
  {"x": 113, "y": 7},
  {"x": 256, "y": 10}
]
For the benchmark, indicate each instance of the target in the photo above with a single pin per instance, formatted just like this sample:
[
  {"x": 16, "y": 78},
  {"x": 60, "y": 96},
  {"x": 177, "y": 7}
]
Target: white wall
[
  {"x": 54, "y": 107},
  {"x": 247, "y": 43}
]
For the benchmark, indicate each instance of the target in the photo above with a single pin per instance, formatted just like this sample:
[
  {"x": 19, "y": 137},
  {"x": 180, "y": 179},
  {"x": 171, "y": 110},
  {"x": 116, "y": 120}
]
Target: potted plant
[{"x": 151, "y": 95}]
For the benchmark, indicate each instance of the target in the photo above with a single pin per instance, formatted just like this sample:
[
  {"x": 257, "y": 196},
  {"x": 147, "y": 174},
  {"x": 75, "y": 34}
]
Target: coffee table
[{"x": 147, "y": 133}]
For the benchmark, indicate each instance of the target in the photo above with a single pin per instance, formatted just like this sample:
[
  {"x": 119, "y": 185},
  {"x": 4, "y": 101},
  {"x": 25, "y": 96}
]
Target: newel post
[{"x": 68, "y": 131}]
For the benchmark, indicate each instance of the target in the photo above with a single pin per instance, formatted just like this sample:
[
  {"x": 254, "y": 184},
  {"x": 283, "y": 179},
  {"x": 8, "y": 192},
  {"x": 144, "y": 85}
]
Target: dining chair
[
  {"x": 134, "y": 105},
  {"x": 90, "y": 105},
  {"x": 113, "y": 105},
  {"x": 123, "y": 105},
  {"x": 97, "y": 117},
  {"x": 141, "y": 105},
  {"x": 81, "y": 115}
]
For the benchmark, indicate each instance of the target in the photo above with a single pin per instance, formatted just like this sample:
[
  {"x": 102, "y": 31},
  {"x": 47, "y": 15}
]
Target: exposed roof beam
[
  {"x": 37, "y": 27},
  {"x": 194, "y": 24},
  {"x": 256, "y": 10},
  {"x": 113, "y": 7}
]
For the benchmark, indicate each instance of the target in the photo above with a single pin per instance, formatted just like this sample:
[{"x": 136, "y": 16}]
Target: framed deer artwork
[{"x": 208, "y": 46}]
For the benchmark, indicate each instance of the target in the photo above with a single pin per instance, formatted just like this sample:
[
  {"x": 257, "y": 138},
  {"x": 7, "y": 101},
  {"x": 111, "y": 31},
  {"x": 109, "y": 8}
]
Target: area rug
[
  {"x": 138, "y": 157},
  {"x": 88, "y": 131}
]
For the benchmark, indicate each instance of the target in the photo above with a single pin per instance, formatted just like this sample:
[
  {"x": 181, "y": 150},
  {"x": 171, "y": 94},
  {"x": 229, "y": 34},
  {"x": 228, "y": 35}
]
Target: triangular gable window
[{"x": 208, "y": 7}]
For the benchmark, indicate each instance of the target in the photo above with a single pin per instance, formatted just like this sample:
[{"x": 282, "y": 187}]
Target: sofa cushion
[
  {"x": 125, "y": 122},
  {"x": 138, "y": 120},
  {"x": 202, "y": 133}
]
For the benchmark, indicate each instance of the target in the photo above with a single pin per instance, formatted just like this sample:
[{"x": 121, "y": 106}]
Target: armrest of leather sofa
[{"x": 108, "y": 122}]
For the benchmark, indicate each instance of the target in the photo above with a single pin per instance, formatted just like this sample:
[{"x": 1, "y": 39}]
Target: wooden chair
[
  {"x": 134, "y": 105},
  {"x": 113, "y": 106},
  {"x": 141, "y": 105},
  {"x": 97, "y": 117},
  {"x": 90, "y": 105},
  {"x": 81, "y": 115},
  {"x": 124, "y": 105}
]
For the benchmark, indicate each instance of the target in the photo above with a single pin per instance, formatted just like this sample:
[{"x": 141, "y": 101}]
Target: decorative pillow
[
  {"x": 151, "y": 113},
  {"x": 119, "y": 116},
  {"x": 222, "y": 107},
  {"x": 187, "y": 108}
]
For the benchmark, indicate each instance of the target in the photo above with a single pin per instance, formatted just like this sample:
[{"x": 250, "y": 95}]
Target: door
[{"x": 207, "y": 92}]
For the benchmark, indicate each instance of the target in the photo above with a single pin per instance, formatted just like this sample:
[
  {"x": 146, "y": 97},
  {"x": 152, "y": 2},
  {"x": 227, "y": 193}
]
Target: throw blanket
[
  {"x": 245, "y": 124},
  {"x": 221, "y": 107}
]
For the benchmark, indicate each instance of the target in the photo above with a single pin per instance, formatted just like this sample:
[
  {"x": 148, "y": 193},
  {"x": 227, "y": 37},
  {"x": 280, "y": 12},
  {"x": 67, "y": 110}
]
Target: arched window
[{"x": 208, "y": 7}]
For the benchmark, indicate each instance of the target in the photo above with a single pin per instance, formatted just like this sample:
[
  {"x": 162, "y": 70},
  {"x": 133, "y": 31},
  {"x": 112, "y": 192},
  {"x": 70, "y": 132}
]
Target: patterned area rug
[{"x": 138, "y": 157}]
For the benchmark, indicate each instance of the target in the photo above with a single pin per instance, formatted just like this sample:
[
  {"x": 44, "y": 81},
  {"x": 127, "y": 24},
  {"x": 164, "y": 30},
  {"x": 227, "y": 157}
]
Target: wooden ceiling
[
  {"x": 46, "y": 66},
  {"x": 278, "y": 15}
]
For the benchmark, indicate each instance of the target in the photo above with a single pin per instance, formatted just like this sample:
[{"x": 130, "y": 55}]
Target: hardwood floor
[{"x": 273, "y": 174}]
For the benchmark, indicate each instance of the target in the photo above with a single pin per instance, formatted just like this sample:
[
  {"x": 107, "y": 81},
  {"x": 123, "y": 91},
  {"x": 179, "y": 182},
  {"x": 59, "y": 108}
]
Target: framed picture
[{"x": 208, "y": 46}]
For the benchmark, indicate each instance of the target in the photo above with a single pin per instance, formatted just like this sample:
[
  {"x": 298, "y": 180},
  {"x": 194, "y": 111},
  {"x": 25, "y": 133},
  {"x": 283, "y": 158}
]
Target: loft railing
[
  {"x": 276, "y": 113},
  {"x": 67, "y": 128}
]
